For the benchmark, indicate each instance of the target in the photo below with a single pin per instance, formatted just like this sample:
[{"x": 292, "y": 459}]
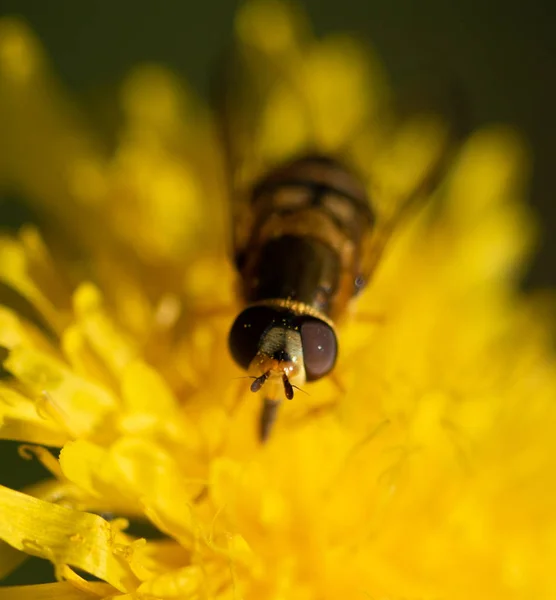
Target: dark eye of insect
[
  {"x": 320, "y": 347},
  {"x": 246, "y": 332}
]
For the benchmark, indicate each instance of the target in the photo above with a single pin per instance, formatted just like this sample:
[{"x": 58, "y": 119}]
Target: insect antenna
[
  {"x": 259, "y": 382},
  {"x": 288, "y": 389}
]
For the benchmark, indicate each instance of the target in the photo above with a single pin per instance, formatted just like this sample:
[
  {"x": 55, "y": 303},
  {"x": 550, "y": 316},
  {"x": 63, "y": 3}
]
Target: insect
[
  {"x": 300, "y": 267},
  {"x": 306, "y": 240}
]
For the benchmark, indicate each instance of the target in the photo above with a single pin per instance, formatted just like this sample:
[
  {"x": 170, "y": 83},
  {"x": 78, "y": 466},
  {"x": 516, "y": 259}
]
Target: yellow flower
[{"x": 431, "y": 476}]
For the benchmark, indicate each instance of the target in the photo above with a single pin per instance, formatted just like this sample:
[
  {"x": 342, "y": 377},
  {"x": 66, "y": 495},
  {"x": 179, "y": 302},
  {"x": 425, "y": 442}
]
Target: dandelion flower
[{"x": 430, "y": 476}]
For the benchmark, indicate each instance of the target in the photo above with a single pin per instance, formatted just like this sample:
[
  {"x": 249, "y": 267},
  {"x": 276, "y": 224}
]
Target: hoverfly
[{"x": 306, "y": 238}]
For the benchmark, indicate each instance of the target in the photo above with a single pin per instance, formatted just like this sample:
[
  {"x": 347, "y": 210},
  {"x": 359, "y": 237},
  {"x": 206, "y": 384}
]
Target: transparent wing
[
  {"x": 406, "y": 169},
  {"x": 281, "y": 93},
  {"x": 241, "y": 100}
]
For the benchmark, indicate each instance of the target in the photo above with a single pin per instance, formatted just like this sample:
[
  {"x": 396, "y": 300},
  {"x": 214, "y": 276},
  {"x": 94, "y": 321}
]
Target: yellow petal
[
  {"x": 184, "y": 583},
  {"x": 76, "y": 404},
  {"x": 270, "y": 26},
  {"x": 490, "y": 173},
  {"x": 405, "y": 159},
  {"x": 92, "y": 470},
  {"x": 340, "y": 90},
  {"x": 21, "y": 421},
  {"x": 285, "y": 129},
  {"x": 65, "y": 573},
  {"x": 151, "y": 408},
  {"x": 105, "y": 339},
  {"x": 38, "y": 124},
  {"x": 161, "y": 478},
  {"x": 163, "y": 201},
  {"x": 16, "y": 330},
  {"x": 153, "y": 98},
  {"x": 496, "y": 231},
  {"x": 160, "y": 556},
  {"x": 20, "y": 54},
  {"x": 144, "y": 391},
  {"x": 135, "y": 474},
  {"x": 51, "y": 491},
  {"x": 125, "y": 292},
  {"x": 57, "y": 591},
  {"x": 15, "y": 271},
  {"x": 82, "y": 358},
  {"x": 65, "y": 536}
]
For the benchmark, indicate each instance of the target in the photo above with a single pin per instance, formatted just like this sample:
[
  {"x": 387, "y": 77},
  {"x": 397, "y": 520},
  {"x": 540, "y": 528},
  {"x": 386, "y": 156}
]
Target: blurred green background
[{"x": 501, "y": 53}]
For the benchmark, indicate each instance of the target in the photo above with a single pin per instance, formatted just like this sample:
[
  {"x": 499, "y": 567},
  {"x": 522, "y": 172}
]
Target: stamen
[
  {"x": 259, "y": 382},
  {"x": 287, "y": 387}
]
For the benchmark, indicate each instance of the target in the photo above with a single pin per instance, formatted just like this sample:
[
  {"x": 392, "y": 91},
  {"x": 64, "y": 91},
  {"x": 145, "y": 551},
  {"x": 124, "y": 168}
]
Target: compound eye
[
  {"x": 320, "y": 348},
  {"x": 247, "y": 331}
]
